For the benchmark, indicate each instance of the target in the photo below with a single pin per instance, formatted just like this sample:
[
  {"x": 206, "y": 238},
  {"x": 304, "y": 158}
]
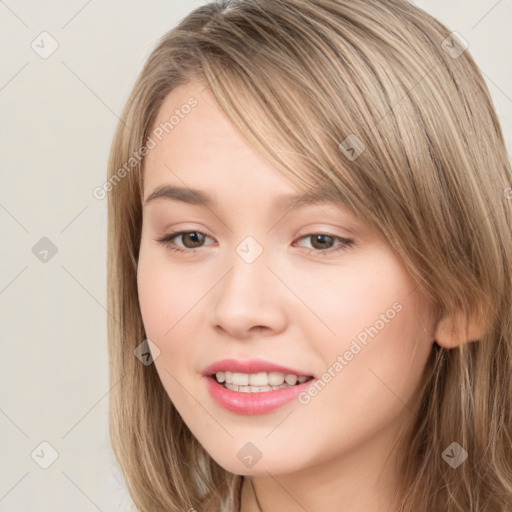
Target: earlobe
[{"x": 458, "y": 329}]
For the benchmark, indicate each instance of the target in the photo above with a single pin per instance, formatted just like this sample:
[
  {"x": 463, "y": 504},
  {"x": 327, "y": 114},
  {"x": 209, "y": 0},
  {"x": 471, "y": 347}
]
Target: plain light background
[{"x": 58, "y": 119}]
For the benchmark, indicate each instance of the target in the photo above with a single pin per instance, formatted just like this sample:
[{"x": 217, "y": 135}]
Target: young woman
[{"x": 310, "y": 266}]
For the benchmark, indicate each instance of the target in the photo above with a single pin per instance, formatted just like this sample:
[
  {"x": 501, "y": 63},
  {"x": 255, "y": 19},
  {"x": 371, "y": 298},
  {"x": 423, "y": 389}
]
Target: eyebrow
[{"x": 197, "y": 197}]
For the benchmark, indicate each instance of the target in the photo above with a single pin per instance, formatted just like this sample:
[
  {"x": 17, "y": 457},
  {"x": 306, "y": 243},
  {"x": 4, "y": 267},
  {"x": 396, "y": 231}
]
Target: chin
[{"x": 251, "y": 461}]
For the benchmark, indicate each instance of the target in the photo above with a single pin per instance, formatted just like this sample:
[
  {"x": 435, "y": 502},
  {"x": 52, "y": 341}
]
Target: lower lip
[{"x": 253, "y": 403}]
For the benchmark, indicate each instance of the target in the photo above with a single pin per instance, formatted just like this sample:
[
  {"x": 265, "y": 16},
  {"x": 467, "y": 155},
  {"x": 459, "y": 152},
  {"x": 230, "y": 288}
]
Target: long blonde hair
[{"x": 379, "y": 104}]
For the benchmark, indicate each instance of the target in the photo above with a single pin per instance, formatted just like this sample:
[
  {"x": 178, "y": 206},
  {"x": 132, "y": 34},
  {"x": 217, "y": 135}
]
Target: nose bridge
[
  {"x": 249, "y": 249},
  {"x": 245, "y": 284},
  {"x": 247, "y": 296}
]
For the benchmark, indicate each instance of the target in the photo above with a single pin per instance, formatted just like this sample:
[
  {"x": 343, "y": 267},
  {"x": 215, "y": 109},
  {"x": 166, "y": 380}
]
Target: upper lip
[{"x": 250, "y": 366}]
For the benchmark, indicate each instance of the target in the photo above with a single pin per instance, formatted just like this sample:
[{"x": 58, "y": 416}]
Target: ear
[{"x": 458, "y": 328}]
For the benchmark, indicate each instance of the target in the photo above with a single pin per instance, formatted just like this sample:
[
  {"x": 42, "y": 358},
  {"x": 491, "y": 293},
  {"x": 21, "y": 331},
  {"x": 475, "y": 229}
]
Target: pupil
[
  {"x": 321, "y": 238},
  {"x": 194, "y": 234}
]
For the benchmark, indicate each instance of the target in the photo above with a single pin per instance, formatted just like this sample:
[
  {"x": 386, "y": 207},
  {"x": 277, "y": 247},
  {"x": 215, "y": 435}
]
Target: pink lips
[{"x": 251, "y": 403}]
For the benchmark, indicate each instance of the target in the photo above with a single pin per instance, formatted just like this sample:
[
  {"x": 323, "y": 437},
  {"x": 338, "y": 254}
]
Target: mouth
[
  {"x": 254, "y": 386},
  {"x": 260, "y": 382}
]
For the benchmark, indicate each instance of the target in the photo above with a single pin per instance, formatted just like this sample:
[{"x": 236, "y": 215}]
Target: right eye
[{"x": 197, "y": 237}]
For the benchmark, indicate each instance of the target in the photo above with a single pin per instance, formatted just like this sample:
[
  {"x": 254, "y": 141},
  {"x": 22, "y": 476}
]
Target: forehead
[
  {"x": 200, "y": 158},
  {"x": 199, "y": 145},
  {"x": 190, "y": 116}
]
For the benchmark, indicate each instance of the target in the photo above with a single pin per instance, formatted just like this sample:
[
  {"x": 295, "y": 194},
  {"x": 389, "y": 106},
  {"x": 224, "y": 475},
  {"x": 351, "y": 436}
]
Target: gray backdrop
[{"x": 66, "y": 71}]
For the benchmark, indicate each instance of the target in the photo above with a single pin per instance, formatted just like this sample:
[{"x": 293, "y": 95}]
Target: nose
[{"x": 250, "y": 300}]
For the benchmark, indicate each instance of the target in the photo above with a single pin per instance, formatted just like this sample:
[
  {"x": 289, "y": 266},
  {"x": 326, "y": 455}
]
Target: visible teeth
[
  {"x": 291, "y": 379},
  {"x": 240, "y": 379},
  {"x": 258, "y": 381},
  {"x": 275, "y": 378}
]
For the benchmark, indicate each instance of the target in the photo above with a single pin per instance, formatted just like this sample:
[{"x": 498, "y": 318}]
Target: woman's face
[{"x": 309, "y": 291}]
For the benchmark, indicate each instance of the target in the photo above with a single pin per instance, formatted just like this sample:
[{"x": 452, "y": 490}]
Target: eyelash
[{"x": 346, "y": 243}]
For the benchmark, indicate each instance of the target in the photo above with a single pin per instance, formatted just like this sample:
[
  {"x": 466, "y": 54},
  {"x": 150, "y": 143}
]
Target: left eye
[
  {"x": 197, "y": 237},
  {"x": 322, "y": 238}
]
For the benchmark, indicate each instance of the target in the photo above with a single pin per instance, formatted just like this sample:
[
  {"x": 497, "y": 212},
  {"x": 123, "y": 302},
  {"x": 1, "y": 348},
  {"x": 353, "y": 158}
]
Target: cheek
[
  {"x": 385, "y": 370},
  {"x": 167, "y": 299},
  {"x": 378, "y": 319},
  {"x": 357, "y": 300},
  {"x": 155, "y": 298},
  {"x": 166, "y": 294}
]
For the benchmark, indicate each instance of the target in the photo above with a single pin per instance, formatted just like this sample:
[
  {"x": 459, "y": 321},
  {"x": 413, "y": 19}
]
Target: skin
[{"x": 292, "y": 306}]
